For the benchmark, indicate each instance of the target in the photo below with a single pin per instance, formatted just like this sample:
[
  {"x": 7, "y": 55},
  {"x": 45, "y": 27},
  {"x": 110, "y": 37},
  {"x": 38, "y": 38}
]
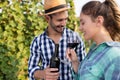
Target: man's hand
[{"x": 49, "y": 73}]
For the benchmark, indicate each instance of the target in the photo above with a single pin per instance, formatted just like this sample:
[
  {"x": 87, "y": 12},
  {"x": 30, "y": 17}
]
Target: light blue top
[{"x": 101, "y": 63}]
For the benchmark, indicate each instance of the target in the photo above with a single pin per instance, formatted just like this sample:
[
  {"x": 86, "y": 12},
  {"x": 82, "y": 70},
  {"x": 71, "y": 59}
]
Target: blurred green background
[{"x": 20, "y": 22}]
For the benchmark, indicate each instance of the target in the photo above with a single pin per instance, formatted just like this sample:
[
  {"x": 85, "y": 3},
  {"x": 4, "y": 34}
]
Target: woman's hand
[{"x": 71, "y": 55}]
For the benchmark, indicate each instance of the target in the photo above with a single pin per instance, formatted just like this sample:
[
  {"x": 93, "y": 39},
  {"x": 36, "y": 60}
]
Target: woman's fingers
[
  {"x": 74, "y": 55},
  {"x": 71, "y": 54},
  {"x": 68, "y": 54}
]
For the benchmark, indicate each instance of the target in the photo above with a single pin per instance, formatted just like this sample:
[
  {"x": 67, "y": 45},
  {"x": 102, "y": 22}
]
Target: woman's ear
[{"x": 100, "y": 20}]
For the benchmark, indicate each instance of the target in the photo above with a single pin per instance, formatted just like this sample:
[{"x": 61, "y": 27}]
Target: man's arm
[{"x": 34, "y": 58}]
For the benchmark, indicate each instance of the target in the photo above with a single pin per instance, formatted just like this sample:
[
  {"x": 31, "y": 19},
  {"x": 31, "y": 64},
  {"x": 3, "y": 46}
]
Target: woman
[{"x": 99, "y": 22}]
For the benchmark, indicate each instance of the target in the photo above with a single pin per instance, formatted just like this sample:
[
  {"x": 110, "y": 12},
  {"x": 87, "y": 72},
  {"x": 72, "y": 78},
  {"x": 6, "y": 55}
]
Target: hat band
[{"x": 55, "y": 8}]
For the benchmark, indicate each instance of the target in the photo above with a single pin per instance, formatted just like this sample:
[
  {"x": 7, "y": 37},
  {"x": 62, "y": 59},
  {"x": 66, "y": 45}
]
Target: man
[{"x": 42, "y": 47}]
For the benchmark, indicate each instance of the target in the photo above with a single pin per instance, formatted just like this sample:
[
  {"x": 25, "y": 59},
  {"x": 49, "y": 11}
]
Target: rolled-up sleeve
[{"x": 34, "y": 58}]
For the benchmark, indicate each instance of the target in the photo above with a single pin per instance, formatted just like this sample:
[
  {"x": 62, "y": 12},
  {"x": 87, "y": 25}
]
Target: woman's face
[{"x": 88, "y": 26}]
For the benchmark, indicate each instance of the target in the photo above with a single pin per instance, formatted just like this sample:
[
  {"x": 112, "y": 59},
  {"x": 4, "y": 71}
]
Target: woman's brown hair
[{"x": 110, "y": 12}]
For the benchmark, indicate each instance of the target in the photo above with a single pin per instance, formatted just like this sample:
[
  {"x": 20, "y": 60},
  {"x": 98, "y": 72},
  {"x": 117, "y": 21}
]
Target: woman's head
[{"x": 110, "y": 13}]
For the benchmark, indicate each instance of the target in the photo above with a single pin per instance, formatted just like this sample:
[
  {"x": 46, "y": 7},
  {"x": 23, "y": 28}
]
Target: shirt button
[{"x": 90, "y": 68}]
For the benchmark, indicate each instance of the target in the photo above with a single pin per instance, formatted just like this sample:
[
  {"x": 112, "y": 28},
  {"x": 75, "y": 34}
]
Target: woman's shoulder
[{"x": 114, "y": 50}]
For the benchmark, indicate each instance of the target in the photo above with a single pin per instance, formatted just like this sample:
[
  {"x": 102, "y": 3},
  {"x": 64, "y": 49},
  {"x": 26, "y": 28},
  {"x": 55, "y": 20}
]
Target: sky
[{"x": 80, "y": 3}]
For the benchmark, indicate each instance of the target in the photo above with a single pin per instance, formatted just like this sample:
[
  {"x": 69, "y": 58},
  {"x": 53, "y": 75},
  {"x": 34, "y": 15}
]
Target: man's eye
[
  {"x": 82, "y": 23},
  {"x": 60, "y": 20}
]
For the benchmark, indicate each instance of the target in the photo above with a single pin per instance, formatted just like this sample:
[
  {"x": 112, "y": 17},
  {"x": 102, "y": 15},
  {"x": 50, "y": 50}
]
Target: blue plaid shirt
[
  {"x": 42, "y": 49},
  {"x": 101, "y": 63}
]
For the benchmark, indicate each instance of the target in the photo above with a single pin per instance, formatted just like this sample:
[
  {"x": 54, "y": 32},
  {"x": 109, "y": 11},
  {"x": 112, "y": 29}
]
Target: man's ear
[
  {"x": 100, "y": 20},
  {"x": 47, "y": 18}
]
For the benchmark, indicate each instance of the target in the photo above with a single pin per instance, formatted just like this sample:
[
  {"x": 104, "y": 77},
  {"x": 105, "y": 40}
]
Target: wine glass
[{"x": 72, "y": 43}]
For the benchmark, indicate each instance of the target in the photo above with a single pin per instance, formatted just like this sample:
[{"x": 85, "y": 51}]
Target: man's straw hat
[{"x": 54, "y": 6}]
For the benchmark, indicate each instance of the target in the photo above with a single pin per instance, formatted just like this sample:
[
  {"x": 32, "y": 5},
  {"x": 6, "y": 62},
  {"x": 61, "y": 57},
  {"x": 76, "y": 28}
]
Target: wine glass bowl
[
  {"x": 72, "y": 45},
  {"x": 73, "y": 41}
]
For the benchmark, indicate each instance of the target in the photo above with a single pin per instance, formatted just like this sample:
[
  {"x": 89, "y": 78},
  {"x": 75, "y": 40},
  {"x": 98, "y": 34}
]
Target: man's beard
[{"x": 54, "y": 27}]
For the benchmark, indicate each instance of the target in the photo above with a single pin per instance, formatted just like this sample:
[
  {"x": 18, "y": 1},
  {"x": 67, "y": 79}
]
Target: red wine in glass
[
  {"x": 72, "y": 45},
  {"x": 73, "y": 41}
]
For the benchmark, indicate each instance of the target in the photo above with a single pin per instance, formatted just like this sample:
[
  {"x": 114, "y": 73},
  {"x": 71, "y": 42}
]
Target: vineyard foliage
[{"x": 20, "y": 22}]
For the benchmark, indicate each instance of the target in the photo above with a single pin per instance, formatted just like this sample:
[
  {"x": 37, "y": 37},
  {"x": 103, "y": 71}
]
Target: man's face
[{"x": 58, "y": 21}]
